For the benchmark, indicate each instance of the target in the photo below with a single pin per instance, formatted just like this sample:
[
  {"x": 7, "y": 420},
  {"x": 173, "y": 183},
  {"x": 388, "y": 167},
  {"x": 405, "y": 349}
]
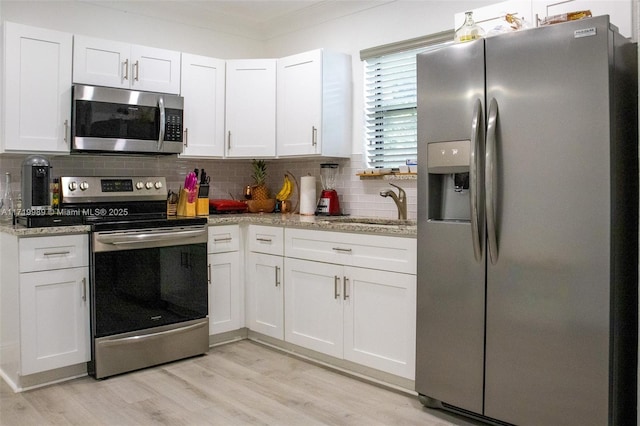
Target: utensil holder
[
  {"x": 202, "y": 206},
  {"x": 185, "y": 208}
]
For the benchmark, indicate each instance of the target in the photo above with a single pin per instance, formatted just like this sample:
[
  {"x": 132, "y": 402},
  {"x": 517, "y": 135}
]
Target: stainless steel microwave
[{"x": 107, "y": 120}]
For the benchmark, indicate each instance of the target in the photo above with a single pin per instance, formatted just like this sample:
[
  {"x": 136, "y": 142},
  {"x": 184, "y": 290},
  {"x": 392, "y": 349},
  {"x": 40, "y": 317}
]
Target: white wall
[{"x": 80, "y": 17}]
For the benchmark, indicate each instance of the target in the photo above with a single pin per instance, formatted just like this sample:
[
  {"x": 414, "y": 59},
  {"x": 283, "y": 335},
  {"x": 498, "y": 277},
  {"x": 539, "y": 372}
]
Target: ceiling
[{"x": 261, "y": 19}]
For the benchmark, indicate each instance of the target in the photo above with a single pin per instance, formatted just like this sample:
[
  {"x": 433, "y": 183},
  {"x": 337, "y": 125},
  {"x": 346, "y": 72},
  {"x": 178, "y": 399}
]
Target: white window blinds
[{"x": 390, "y": 105}]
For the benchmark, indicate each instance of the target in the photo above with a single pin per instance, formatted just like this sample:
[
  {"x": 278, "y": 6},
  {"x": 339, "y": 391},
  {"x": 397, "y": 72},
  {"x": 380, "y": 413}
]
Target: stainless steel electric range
[{"x": 148, "y": 278}]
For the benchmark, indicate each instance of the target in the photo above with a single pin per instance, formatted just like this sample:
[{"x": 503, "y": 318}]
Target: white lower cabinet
[
  {"x": 380, "y": 320},
  {"x": 225, "y": 282},
  {"x": 352, "y": 296},
  {"x": 53, "y": 302},
  {"x": 54, "y": 319},
  {"x": 265, "y": 294},
  {"x": 224, "y": 295},
  {"x": 265, "y": 282},
  {"x": 362, "y": 315},
  {"x": 313, "y": 306}
]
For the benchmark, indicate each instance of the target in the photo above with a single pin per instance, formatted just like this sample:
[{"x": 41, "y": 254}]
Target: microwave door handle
[{"x": 163, "y": 123}]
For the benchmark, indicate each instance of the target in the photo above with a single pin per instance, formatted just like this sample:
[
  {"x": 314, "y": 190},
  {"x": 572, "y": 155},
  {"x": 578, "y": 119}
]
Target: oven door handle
[
  {"x": 142, "y": 337},
  {"x": 148, "y": 237}
]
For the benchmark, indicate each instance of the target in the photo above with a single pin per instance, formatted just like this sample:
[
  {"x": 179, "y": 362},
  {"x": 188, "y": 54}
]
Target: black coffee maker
[{"x": 36, "y": 178}]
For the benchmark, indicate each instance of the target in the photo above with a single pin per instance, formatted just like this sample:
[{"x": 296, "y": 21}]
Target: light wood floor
[{"x": 235, "y": 384}]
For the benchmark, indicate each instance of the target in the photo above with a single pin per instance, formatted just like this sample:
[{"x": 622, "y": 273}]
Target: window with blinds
[{"x": 390, "y": 101}]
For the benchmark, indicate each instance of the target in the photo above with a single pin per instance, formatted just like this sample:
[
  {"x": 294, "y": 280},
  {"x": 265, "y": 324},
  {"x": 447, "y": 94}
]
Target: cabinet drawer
[
  {"x": 55, "y": 252},
  {"x": 266, "y": 239},
  {"x": 224, "y": 238},
  {"x": 362, "y": 250}
]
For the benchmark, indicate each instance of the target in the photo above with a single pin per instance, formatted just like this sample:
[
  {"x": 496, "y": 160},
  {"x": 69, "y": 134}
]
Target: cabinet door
[
  {"x": 266, "y": 239},
  {"x": 54, "y": 319},
  {"x": 224, "y": 292},
  {"x": 380, "y": 320},
  {"x": 155, "y": 70},
  {"x": 265, "y": 295},
  {"x": 251, "y": 108},
  {"x": 101, "y": 62},
  {"x": 37, "y": 81},
  {"x": 313, "y": 306},
  {"x": 203, "y": 88},
  {"x": 299, "y": 101}
]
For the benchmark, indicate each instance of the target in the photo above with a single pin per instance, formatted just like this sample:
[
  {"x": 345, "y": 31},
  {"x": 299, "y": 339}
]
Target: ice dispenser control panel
[
  {"x": 448, "y": 166},
  {"x": 448, "y": 157}
]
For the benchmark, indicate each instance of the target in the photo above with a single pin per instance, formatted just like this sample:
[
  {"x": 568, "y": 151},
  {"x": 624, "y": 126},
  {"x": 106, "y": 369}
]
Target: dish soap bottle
[
  {"x": 6, "y": 202},
  {"x": 469, "y": 30}
]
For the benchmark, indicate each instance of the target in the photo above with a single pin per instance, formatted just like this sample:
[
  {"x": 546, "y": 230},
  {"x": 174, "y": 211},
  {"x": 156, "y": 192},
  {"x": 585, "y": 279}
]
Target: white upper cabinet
[
  {"x": 251, "y": 108},
  {"x": 115, "y": 64},
  {"x": 203, "y": 89},
  {"x": 314, "y": 104},
  {"x": 37, "y": 84}
]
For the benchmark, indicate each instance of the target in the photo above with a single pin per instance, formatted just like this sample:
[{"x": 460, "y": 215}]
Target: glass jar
[
  {"x": 6, "y": 202},
  {"x": 469, "y": 30}
]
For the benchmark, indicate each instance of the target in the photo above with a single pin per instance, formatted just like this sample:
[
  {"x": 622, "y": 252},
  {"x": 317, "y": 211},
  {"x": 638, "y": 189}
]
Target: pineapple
[{"x": 259, "y": 191}]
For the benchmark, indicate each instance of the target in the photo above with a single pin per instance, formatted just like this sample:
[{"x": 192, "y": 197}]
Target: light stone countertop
[
  {"x": 398, "y": 228},
  {"x": 367, "y": 225},
  {"x": 23, "y": 231}
]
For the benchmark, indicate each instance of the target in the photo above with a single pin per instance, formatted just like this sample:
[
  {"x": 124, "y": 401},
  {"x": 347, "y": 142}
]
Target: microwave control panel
[{"x": 173, "y": 127}]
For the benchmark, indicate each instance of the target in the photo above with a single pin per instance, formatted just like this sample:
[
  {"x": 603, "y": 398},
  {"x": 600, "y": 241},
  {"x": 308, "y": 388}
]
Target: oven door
[{"x": 148, "y": 278}]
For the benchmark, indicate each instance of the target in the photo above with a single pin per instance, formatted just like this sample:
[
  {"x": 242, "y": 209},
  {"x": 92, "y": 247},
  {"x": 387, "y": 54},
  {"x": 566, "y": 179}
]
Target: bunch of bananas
[{"x": 286, "y": 190}]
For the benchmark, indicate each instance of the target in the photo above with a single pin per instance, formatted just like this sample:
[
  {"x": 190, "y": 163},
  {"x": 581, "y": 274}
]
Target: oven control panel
[{"x": 113, "y": 188}]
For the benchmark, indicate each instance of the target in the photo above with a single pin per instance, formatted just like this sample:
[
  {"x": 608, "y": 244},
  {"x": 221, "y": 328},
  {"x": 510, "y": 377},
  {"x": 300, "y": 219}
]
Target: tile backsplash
[{"x": 358, "y": 197}]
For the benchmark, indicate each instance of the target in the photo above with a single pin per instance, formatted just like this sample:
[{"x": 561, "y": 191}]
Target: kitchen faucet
[{"x": 400, "y": 200}]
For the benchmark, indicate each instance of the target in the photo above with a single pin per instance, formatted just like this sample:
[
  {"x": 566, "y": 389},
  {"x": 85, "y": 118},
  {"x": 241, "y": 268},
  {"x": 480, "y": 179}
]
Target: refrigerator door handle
[
  {"x": 474, "y": 166},
  {"x": 490, "y": 176}
]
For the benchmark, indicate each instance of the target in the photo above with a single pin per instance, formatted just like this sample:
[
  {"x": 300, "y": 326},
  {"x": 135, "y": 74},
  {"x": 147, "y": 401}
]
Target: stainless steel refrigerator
[{"x": 528, "y": 226}]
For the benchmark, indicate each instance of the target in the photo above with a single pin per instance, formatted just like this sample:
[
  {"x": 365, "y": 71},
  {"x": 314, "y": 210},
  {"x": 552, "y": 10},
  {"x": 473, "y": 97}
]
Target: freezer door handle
[
  {"x": 490, "y": 176},
  {"x": 474, "y": 167}
]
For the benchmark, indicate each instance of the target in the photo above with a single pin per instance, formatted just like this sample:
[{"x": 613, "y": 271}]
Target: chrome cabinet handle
[
  {"x": 490, "y": 176},
  {"x": 229, "y": 140},
  {"x": 57, "y": 253},
  {"x": 336, "y": 288},
  {"x": 126, "y": 69},
  {"x": 277, "y": 276},
  {"x": 66, "y": 130},
  {"x": 222, "y": 240},
  {"x": 264, "y": 240},
  {"x": 209, "y": 273},
  {"x": 474, "y": 170},
  {"x": 340, "y": 249},
  {"x": 186, "y": 137},
  {"x": 345, "y": 282},
  {"x": 84, "y": 289},
  {"x": 314, "y": 136},
  {"x": 137, "y": 67}
]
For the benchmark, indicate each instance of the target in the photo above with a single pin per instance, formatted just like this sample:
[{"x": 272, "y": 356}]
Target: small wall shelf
[{"x": 388, "y": 176}]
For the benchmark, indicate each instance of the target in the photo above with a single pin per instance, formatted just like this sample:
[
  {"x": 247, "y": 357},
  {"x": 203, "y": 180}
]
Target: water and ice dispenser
[{"x": 448, "y": 167}]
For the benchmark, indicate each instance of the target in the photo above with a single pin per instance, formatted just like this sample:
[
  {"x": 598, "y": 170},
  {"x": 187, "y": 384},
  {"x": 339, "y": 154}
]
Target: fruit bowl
[{"x": 261, "y": 206}]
